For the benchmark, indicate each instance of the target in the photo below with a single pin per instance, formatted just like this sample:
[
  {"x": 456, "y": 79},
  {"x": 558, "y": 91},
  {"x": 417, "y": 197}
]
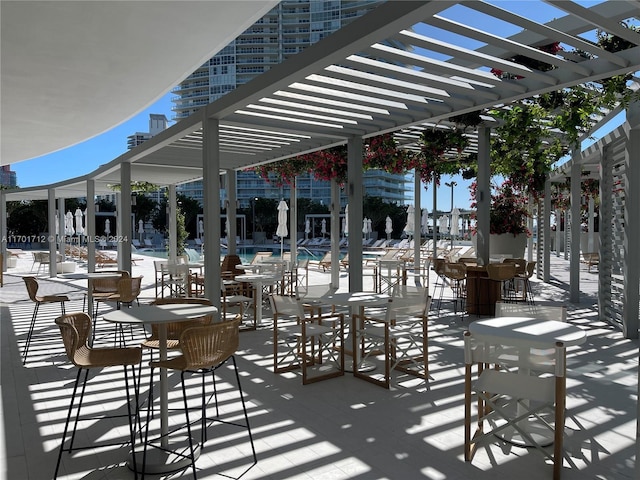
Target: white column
[
  {"x": 61, "y": 234},
  {"x": 91, "y": 225},
  {"x": 51, "y": 221},
  {"x": 232, "y": 199},
  {"x": 334, "y": 209},
  {"x": 546, "y": 231},
  {"x": 631, "y": 269},
  {"x": 293, "y": 221},
  {"x": 574, "y": 260},
  {"x": 211, "y": 200},
  {"x": 173, "y": 223},
  {"x": 434, "y": 217},
  {"x": 355, "y": 195},
  {"x": 483, "y": 194},
  {"x": 124, "y": 218},
  {"x": 417, "y": 222},
  {"x": 3, "y": 230}
]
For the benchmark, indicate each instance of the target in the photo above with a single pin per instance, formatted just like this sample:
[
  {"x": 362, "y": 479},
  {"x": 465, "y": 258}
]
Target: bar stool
[
  {"x": 32, "y": 288},
  {"x": 75, "y": 329},
  {"x": 504, "y": 273},
  {"x": 204, "y": 350}
]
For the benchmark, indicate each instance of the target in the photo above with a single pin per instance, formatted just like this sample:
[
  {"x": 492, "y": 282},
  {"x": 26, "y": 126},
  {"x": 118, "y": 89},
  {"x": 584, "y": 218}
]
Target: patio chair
[
  {"x": 32, "y": 289},
  {"x": 398, "y": 332},
  {"x": 75, "y": 330},
  {"x": 507, "y": 397},
  {"x": 233, "y": 296},
  {"x": 455, "y": 275},
  {"x": 297, "y": 335},
  {"x": 206, "y": 349}
]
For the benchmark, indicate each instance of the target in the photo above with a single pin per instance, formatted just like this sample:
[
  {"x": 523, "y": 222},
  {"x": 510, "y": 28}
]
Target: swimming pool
[{"x": 247, "y": 253}]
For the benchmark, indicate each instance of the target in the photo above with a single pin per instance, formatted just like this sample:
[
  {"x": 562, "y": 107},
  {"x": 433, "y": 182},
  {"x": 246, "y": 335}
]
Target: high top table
[
  {"x": 356, "y": 302},
  {"x": 162, "y": 460},
  {"x": 527, "y": 333}
]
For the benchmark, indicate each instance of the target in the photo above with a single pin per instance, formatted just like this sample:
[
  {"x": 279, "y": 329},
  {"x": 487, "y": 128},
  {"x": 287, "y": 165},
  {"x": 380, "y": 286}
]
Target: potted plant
[{"x": 508, "y": 216}]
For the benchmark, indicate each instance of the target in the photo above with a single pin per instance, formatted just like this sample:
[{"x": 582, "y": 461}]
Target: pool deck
[{"x": 341, "y": 428}]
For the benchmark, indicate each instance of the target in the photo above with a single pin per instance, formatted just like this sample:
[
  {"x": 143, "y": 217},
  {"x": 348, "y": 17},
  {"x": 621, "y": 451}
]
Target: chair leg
[
  {"x": 186, "y": 412},
  {"x": 66, "y": 424},
  {"x": 132, "y": 422},
  {"x": 75, "y": 425},
  {"x": 29, "y": 335},
  {"x": 244, "y": 409}
]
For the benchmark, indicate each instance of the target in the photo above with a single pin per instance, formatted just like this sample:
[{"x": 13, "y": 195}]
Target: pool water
[{"x": 246, "y": 254}]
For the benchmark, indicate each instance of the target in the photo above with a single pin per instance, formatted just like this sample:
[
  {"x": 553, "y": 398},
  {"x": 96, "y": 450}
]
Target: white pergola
[{"x": 355, "y": 84}]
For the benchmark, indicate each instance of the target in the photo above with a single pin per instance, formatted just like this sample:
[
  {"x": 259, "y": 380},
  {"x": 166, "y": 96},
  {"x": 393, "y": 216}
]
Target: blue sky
[{"x": 87, "y": 156}]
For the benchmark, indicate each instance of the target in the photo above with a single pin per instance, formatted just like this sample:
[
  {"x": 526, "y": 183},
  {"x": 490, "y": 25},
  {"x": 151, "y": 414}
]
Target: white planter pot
[{"x": 507, "y": 245}]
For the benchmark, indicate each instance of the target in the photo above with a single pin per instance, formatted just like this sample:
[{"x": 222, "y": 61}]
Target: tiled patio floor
[{"x": 341, "y": 428}]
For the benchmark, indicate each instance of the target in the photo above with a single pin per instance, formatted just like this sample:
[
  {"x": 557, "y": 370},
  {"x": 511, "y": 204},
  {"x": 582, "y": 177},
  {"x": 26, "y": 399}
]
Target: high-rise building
[
  {"x": 8, "y": 177},
  {"x": 157, "y": 123},
  {"x": 286, "y": 30}
]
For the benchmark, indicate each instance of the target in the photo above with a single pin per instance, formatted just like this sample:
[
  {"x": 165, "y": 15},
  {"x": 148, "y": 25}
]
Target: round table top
[
  {"x": 348, "y": 299},
  {"x": 148, "y": 314},
  {"x": 528, "y": 331}
]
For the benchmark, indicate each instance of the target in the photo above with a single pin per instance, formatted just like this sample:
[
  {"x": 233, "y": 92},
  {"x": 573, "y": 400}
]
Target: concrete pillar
[
  {"x": 232, "y": 203},
  {"x": 483, "y": 194},
  {"x": 3, "y": 230},
  {"x": 417, "y": 218},
  {"x": 61, "y": 233},
  {"x": 124, "y": 218},
  {"x": 334, "y": 209},
  {"x": 173, "y": 223},
  {"x": 546, "y": 231},
  {"x": 574, "y": 259},
  {"x": 293, "y": 221},
  {"x": 211, "y": 201},
  {"x": 91, "y": 225},
  {"x": 51, "y": 221},
  {"x": 355, "y": 195}
]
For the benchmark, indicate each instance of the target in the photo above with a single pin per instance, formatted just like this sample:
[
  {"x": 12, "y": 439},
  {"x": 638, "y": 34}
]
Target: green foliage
[
  {"x": 144, "y": 207},
  {"x": 27, "y": 218},
  {"x": 183, "y": 235}
]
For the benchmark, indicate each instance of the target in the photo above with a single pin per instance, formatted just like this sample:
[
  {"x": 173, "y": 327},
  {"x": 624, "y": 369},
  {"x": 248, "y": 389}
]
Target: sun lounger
[{"x": 591, "y": 259}]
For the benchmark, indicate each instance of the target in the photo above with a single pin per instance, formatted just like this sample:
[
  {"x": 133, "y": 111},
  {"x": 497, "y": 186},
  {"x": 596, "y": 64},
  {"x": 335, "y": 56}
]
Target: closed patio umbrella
[
  {"x": 409, "y": 228},
  {"x": 388, "y": 229},
  {"x": 282, "y": 230},
  {"x": 455, "y": 218},
  {"x": 79, "y": 229},
  {"x": 424, "y": 222},
  {"x": 68, "y": 223},
  {"x": 442, "y": 223},
  {"x": 369, "y": 229},
  {"x": 307, "y": 228},
  {"x": 107, "y": 227},
  {"x": 323, "y": 231},
  {"x": 140, "y": 229}
]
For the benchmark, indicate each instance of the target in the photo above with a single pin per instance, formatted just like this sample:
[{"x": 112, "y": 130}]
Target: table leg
[{"x": 163, "y": 460}]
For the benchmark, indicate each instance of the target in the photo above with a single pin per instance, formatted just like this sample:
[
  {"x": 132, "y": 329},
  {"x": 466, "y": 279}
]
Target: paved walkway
[{"x": 341, "y": 428}]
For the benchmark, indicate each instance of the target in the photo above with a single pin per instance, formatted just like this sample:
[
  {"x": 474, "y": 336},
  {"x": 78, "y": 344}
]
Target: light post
[{"x": 451, "y": 184}]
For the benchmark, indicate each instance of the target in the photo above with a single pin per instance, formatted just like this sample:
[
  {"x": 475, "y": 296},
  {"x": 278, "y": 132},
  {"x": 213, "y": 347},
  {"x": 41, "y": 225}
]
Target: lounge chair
[
  {"x": 148, "y": 243},
  {"x": 591, "y": 259}
]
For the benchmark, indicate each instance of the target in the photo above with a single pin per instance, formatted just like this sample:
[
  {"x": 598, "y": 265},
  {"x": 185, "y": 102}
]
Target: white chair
[
  {"x": 233, "y": 296},
  {"x": 398, "y": 332},
  {"x": 506, "y": 397},
  {"x": 296, "y": 337},
  {"x": 175, "y": 278},
  {"x": 540, "y": 359}
]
